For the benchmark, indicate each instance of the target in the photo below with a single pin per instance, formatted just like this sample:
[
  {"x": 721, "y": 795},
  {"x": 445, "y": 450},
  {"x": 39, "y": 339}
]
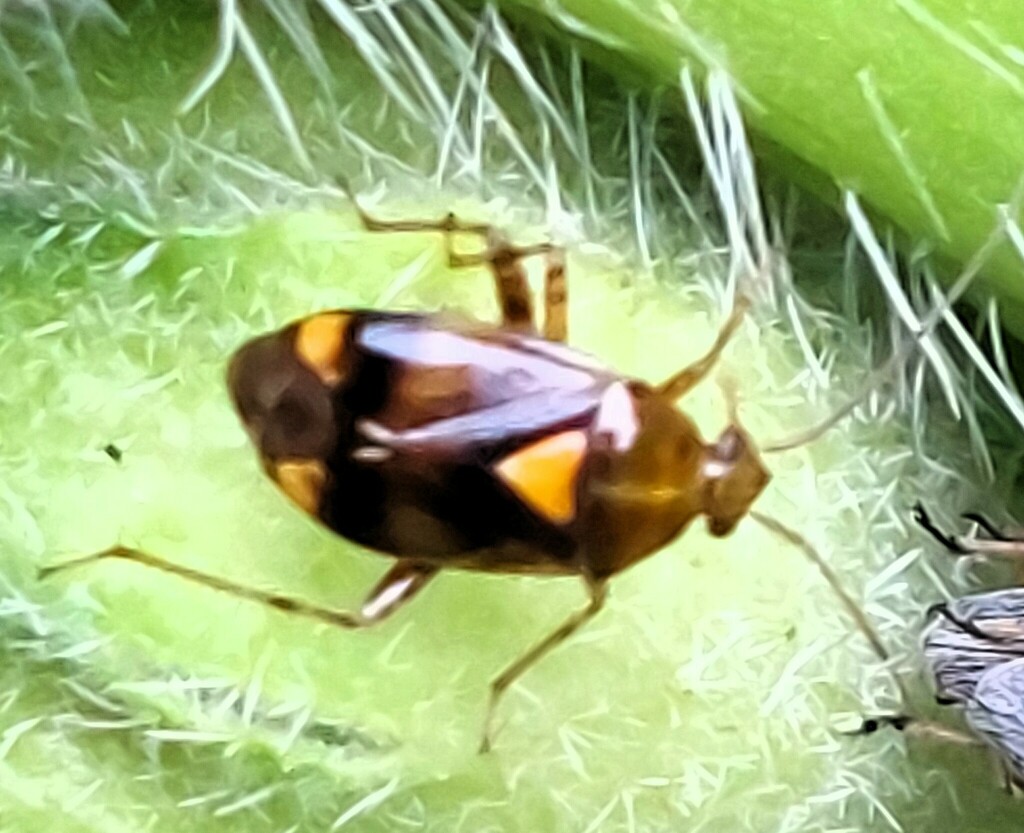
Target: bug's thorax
[{"x": 643, "y": 494}]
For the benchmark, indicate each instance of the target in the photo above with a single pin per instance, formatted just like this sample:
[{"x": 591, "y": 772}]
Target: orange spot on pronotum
[
  {"x": 319, "y": 343},
  {"x": 303, "y": 481}
]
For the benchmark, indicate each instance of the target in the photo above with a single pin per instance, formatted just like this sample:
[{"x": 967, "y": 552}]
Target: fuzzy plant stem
[{"x": 917, "y": 105}]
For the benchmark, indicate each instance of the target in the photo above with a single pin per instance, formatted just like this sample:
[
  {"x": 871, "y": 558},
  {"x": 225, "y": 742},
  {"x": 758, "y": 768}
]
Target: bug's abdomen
[{"x": 453, "y": 514}]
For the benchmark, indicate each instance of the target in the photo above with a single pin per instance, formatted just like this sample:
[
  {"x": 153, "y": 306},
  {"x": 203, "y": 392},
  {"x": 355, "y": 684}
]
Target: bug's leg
[
  {"x": 397, "y": 587},
  {"x": 556, "y": 297},
  {"x": 503, "y": 259},
  {"x": 914, "y": 727},
  {"x": 510, "y": 285},
  {"x": 683, "y": 381},
  {"x": 924, "y": 520},
  {"x": 499, "y": 685},
  {"x": 448, "y": 224},
  {"x": 999, "y": 545},
  {"x": 967, "y": 626},
  {"x": 1007, "y": 776}
]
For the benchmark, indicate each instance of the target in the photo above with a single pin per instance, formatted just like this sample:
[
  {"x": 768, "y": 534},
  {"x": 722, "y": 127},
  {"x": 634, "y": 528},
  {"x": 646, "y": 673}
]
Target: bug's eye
[
  {"x": 735, "y": 477},
  {"x": 730, "y": 446}
]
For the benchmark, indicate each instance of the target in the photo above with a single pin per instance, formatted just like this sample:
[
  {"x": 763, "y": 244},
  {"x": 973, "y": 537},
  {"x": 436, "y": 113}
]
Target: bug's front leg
[
  {"x": 398, "y": 586},
  {"x": 598, "y": 591}
]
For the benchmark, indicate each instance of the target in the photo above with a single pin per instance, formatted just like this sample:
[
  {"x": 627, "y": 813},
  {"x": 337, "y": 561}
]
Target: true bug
[
  {"x": 449, "y": 444},
  {"x": 974, "y": 648}
]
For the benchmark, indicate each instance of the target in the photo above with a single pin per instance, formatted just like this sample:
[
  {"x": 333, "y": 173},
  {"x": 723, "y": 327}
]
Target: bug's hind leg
[
  {"x": 398, "y": 586},
  {"x": 499, "y": 685},
  {"x": 687, "y": 378}
]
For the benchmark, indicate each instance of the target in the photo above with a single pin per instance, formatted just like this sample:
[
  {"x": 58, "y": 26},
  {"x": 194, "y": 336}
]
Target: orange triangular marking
[{"x": 543, "y": 475}]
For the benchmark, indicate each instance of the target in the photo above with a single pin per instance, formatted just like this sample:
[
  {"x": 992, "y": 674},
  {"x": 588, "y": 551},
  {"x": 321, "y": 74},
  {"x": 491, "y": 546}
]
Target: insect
[
  {"x": 974, "y": 647},
  {"x": 448, "y": 444}
]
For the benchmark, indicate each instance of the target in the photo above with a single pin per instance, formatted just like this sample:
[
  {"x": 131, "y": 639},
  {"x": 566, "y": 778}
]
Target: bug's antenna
[
  {"x": 854, "y": 610},
  {"x": 730, "y": 390},
  {"x": 924, "y": 520},
  {"x": 942, "y": 609},
  {"x": 925, "y": 329},
  {"x": 996, "y": 546},
  {"x": 994, "y": 532}
]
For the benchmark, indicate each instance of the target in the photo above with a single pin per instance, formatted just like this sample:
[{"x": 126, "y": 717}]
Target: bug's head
[
  {"x": 282, "y": 385},
  {"x": 734, "y": 477}
]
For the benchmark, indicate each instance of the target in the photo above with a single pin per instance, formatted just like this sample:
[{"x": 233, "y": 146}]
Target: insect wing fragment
[
  {"x": 971, "y": 636},
  {"x": 976, "y": 652},
  {"x": 997, "y": 714}
]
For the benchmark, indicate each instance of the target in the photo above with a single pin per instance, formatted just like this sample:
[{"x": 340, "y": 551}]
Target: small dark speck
[
  {"x": 790, "y": 633},
  {"x": 113, "y": 452}
]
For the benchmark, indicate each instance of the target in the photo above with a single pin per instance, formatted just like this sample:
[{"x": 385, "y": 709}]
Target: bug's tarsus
[
  {"x": 598, "y": 590},
  {"x": 916, "y": 727},
  {"x": 1011, "y": 784},
  {"x": 998, "y": 544},
  {"x": 50, "y": 570}
]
